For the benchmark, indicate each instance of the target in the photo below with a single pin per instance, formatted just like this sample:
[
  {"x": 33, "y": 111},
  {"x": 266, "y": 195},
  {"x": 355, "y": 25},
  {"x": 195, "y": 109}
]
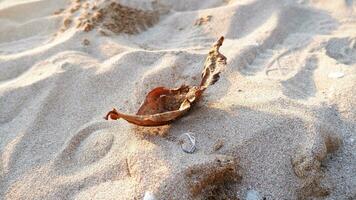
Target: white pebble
[
  {"x": 253, "y": 195},
  {"x": 336, "y": 75},
  {"x": 149, "y": 196}
]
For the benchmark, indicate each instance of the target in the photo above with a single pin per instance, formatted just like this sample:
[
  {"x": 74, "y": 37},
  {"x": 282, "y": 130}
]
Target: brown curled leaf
[
  {"x": 163, "y": 105},
  {"x": 214, "y": 64}
]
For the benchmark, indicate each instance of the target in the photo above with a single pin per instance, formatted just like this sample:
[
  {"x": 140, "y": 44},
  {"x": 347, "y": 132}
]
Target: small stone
[
  {"x": 88, "y": 27},
  {"x": 253, "y": 195},
  {"x": 104, "y": 33},
  {"x": 97, "y": 16},
  {"x": 336, "y": 75},
  {"x": 75, "y": 8},
  {"x": 203, "y": 20},
  {"x": 67, "y": 23},
  {"x": 58, "y": 11},
  {"x": 218, "y": 145},
  {"x": 86, "y": 42}
]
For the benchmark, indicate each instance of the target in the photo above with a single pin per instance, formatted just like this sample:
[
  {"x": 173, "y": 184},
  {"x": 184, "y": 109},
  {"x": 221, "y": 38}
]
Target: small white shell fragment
[
  {"x": 189, "y": 144},
  {"x": 336, "y": 75},
  {"x": 149, "y": 196},
  {"x": 253, "y": 195}
]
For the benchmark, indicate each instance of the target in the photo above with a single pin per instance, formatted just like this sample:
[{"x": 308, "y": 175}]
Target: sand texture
[{"x": 279, "y": 124}]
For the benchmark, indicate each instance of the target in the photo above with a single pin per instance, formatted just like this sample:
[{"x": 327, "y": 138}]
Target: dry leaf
[{"x": 163, "y": 105}]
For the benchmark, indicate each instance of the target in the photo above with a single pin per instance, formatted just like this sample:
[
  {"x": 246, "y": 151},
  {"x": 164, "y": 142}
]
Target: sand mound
[
  {"x": 107, "y": 16},
  {"x": 307, "y": 163}
]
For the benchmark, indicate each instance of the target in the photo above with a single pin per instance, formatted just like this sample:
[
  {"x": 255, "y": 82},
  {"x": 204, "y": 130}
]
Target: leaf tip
[{"x": 114, "y": 115}]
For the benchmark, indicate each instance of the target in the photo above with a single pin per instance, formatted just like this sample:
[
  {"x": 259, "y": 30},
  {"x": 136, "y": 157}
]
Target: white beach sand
[{"x": 283, "y": 111}]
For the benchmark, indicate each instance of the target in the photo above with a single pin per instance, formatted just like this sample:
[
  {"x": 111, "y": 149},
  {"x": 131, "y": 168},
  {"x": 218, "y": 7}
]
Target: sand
[{"x": 279, "y": 124}]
